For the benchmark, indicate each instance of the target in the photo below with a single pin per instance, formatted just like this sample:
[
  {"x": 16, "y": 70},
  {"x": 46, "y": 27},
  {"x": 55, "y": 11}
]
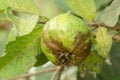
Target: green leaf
[
  {"x": 13, "y": 34},
  {"x": 21, "y": 55},
  {"x": 111, "y": 14},
  {"x": 20, "y": 5},
  {"x": 104, "y": 42},
  {"x": 92, "y": 64},
  {"x": 83, "y": 8},
  {"x": 62, "y": 4},
  {"x": 3, "y": 17},
  {"x": 41, "y": 59},
  {"x": 23, "y": 22},
  {"x": 3, "y": 40},
  {"x": 112, "y": 72},
  {"x": 101, "y": 4}
]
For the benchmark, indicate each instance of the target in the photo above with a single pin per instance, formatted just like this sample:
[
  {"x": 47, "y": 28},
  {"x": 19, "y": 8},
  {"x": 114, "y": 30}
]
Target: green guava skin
[{"x": 66, "y": 40}]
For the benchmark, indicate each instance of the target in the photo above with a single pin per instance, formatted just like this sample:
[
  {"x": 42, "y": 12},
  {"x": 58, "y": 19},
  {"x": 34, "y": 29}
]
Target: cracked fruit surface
[{"x": 66, "y": 40}]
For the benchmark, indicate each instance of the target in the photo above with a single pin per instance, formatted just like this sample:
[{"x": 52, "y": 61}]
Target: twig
[
  {"x": 59, "y": 75},
  {"x": 56, "y": 73},
  {"x": 116, "y": 27},
  {"x": 36, "y": 73}
]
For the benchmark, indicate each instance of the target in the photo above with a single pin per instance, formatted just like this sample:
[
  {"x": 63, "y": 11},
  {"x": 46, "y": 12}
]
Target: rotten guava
[{"x": 66, "y": 40}]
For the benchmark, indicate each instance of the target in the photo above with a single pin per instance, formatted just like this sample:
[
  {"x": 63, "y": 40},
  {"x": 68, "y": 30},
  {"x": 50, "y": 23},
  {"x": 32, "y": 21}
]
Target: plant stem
[
  {"x": 59, "y": 75},
  {"x": 36, "y": 73},
  {"x": 56, "y": 73},
  {"x": 116, "y": 27}
]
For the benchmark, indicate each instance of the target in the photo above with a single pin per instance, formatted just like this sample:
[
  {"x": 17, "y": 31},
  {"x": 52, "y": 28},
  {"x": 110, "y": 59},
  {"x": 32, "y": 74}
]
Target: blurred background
[{"x": 50, "y": 9}]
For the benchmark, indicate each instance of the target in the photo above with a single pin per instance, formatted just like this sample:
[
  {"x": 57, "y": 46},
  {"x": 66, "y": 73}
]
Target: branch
[
  {"x": 36, "y": 73},
  {"x": 60, "y": 73},
  {"x": 116, "y": 27},
  {"x": 56, "y": 73}
]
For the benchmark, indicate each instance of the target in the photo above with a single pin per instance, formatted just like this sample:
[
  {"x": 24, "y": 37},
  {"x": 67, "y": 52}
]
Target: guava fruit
[{"x": 66, "y": 40}]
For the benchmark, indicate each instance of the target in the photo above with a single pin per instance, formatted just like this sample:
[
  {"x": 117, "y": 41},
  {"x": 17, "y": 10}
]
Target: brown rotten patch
[{"x": 69, "y": 57}]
